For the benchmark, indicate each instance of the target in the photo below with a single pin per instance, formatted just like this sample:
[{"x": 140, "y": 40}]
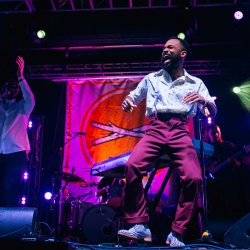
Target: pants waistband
[{"x": 167, "y": 116}]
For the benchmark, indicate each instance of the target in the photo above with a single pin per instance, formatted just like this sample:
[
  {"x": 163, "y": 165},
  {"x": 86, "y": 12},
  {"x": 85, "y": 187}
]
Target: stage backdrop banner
[{"x": 96, "y": 130}]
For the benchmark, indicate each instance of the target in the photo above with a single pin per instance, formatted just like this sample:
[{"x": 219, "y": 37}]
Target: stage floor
[
  {"x": 50, "y": 245},
  {"x": 216, "y": 226}
]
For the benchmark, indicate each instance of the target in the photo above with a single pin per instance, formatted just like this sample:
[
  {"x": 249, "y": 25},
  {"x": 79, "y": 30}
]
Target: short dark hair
[{"x": 183, "y": 42}]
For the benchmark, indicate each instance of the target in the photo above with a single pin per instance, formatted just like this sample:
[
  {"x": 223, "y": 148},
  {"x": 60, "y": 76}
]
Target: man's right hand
[
  {"x": 128, "y": 105},
  {"x": 20, "y": 66}
]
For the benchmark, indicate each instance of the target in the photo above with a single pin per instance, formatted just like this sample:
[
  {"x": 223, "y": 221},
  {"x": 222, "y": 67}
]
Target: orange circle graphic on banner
[{"x": 105, "y": 124}]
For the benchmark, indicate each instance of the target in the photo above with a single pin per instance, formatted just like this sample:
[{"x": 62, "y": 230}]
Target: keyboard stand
[
  {"x": 158, "y": 164},
  {"x": 158, "y": 195},
  {"x": 156, "y": 221}
]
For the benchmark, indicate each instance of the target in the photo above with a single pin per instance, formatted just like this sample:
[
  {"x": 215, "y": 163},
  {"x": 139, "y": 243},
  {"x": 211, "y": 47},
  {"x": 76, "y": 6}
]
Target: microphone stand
[{"x": 206, "y": 235}]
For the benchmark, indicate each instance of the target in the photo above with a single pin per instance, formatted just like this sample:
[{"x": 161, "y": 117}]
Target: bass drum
[{"x": 99, "y": 225}]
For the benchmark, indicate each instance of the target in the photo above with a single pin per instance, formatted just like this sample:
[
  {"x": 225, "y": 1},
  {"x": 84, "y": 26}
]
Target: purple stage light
[
  {"x": 209, "y": 120},
  {"x": 23, "y": 200},
  {"x": 25, "y": 176},
  {"x": 30, "y": 124}
]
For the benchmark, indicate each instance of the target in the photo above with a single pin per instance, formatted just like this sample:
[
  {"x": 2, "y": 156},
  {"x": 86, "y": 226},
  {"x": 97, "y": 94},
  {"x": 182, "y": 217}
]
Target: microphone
[{"x": 79, "y": 133}]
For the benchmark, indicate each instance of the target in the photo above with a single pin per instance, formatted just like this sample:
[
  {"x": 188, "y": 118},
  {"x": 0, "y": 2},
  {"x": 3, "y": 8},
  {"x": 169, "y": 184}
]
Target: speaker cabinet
[
  {"x": 239, "y": 234},
  {"x": 18, "y": 222}
]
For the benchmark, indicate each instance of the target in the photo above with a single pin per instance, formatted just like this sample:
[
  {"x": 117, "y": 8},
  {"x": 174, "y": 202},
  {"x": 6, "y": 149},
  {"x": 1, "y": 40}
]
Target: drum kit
[{"x": 93, "y": 223}]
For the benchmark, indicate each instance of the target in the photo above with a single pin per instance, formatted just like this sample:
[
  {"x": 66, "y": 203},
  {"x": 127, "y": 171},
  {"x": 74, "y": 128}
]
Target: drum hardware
[
  {"x": 99, "y": 225},
  {"x": 72, "y": 178},
  {"x": 73, "y": 209},
  {"x": 111, "y": 191},
  {"x": 116, "y": 193},
  {"x": 89, "y": 184},
  {"x": 67, "y": 178},
  {"x": 80, "y": 196},
  {"x": 101, "y": 192},
  {"x": 69, "y": 198}
]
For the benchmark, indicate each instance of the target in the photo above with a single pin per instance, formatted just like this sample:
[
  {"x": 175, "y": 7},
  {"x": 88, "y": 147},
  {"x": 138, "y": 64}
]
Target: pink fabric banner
[
  {"x": 94, "y": 107},
  {"x": 96, "y": 130}
]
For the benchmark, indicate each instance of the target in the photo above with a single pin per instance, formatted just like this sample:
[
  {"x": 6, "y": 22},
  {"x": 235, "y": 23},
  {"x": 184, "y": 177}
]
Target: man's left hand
[{"x": 194, "y": 97}]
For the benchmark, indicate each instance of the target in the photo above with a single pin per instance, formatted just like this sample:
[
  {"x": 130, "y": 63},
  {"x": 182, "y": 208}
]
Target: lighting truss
[
  {"x": 60, "y": 72},
  {"x": 28, "y": 6}
]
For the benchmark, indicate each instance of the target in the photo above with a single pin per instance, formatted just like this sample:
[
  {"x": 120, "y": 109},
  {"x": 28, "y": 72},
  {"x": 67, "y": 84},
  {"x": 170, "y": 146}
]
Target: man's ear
[{"x": 183, "y": 53}]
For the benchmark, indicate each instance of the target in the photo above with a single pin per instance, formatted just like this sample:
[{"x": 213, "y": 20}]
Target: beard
[{"x": 172, "y": 64}]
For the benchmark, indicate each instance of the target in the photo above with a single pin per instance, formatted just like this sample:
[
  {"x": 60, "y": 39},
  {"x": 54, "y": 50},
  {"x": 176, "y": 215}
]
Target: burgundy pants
[{"x": 165, "y": 135}]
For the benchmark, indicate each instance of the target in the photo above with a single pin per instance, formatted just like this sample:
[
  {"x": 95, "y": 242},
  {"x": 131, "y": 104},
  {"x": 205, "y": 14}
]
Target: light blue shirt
[
  {"x": 14, "y": 118},
  {"x": 166, "y": 96}
]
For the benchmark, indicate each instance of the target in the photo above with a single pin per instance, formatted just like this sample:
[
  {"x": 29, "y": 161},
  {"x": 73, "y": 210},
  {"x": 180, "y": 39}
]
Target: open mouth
[{"x": 166, "y": 58}]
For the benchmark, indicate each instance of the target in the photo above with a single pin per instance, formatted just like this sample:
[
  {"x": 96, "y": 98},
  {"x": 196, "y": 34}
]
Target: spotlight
[
  {"x": 48, "y": 196},
  {"x": 236, "y": 90},
  {"x": 209, "y": 120},
  {"x": 30, "y": 124},
  {"x": 23, "y": 200},
  {"x": 41, "y": 34},
  {"x": 25, "y": 176},
  {"x": 181, "y": 35},
  {"x": 38, "y": 35},
  {"x": 238, "y": 15},
  {"x": 243, "y": 92}
]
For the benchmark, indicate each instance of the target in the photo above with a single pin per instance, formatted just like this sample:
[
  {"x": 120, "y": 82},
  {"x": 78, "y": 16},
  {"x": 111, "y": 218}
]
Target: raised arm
[{"x": 28, "y": 96}]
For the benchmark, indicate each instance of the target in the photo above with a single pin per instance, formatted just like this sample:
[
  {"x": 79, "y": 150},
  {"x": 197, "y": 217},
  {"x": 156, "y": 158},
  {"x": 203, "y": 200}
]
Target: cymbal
[{"x": 72, "y": 177}]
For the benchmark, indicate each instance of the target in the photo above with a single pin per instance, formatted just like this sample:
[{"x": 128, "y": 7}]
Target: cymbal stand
[{"x": 61, "y": 189}]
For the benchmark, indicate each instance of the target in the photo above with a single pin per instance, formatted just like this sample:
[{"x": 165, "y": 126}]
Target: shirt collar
[{"x": 187, "y": 77}]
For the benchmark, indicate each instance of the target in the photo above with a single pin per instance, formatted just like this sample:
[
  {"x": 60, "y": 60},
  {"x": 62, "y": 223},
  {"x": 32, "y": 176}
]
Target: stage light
[
  {"x": 236, "y": 90},
  {"x": 48, "y": 195},
  {"x": 188, "y": 25},
  {"x": 209, "y": 120},
  {"x": 23, "y": 200},
  {"x": 38, "y": 35},
  {"x": 243, "y": 92},
  {"x": 25, "y": 176},
  {"x": 181, "y": 35},
  {"x": 238, "y": 15},
  {"x": 30, "y": 124},
  {"x": 41, "y": 34}
]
